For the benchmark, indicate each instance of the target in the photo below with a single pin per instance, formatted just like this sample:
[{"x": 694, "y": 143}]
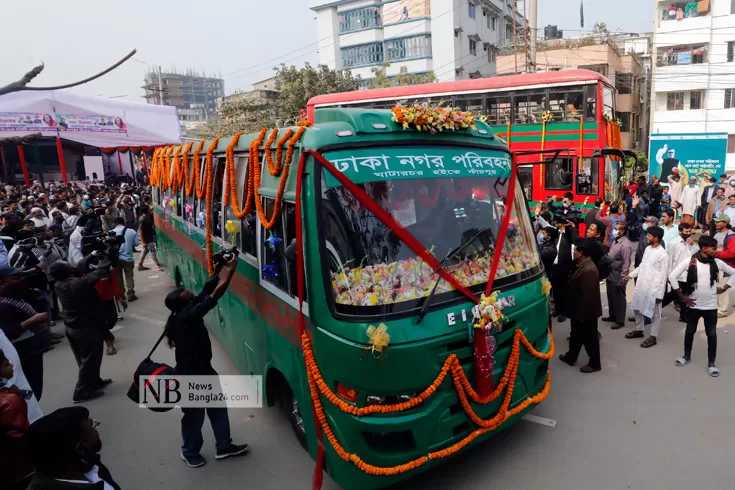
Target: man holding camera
[
  {"x": 126, "y": 262},
  {"x": 84, "y": 317}
]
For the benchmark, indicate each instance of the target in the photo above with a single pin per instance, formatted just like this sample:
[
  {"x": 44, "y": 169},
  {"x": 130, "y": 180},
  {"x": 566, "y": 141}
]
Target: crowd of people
[
  {"x": 66, "y": 255},
  {"x": 674, "y": 241}
]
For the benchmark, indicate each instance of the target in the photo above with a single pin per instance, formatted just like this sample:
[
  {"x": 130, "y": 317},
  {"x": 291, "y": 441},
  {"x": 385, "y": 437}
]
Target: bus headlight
[{"x": 389, "y": 400}]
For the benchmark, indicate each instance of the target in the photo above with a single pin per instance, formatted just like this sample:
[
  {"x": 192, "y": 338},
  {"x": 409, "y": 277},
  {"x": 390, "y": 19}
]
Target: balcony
[{"x": 680, "y": 16}]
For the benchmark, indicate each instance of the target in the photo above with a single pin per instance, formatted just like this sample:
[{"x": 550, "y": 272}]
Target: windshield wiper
[{"x": 450, "y": 254}]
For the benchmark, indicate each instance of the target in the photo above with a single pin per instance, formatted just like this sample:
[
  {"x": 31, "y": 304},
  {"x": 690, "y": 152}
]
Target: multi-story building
[
  {"x": 189, "y": 92},
  {"x": 263, "y": 93},
  {"x": 603, "y": 55},
  {"x": 693, "y": 87},
  {"x": 454, "y": 39}
]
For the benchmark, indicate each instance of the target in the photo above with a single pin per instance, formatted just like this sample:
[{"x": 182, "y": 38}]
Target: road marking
[
  {"x": 144, "y": 319},
  {"x": 539, "y": 420}
]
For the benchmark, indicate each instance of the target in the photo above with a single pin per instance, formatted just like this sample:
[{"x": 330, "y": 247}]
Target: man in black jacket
[
  {"x": 64, "y": 448},
  {"x": 84, "y": 316},
  {"x": 562, "y": 265},
  {"x": 592, "y": 213}
]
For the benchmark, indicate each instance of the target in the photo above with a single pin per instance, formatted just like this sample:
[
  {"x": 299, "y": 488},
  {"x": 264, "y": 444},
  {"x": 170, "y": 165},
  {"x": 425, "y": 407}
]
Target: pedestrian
[
  {"x": 76, "y": 256},
  {"x": 562, "y": 266},
  {"x": 708, "y": 193},
  {"x": 64, "y": 447},
  {"x": 621, "y": 252},
  {"x": 665, "y": 200},
  {"x": 730, "y": 208},
  {"x": 610, "y": 221},
  {"x": 649, "y": 222},
  {"x": 726, "y": 253},
  {"x": 189, "y": 337},
  {"x": 700, "y": 296},
  {"x": 591, "y": 216},
  {"x": 715, "y": 207},
  {"x": 675, "y": 188},
  {"x": 17, "y": 469},
  {"x": 649, "y": 288},
  {"x": 689, "y": 201},
  {"x": 70, "y": 223},
  {"x": 85, "y": 318},
  {"x": 585, "y": 309},
  {"x": 671, "y": 231},
  {"x": 655, "y": 193},
  {"x": 680, "y": 249},
  {"x": 147, "y": 231},
  {"x": 126, "y": 262}
]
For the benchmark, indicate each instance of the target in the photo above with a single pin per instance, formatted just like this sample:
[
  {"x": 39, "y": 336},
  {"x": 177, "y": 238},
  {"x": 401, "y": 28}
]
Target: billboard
[
  {"x": 45, "y": 122},
  {"x": 403, "y": 10},
  {"x": 691, "y": 153}
]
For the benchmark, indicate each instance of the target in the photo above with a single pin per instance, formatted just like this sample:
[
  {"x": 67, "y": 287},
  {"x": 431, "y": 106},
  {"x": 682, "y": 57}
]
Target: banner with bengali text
[{"x": 32, "y": 122}]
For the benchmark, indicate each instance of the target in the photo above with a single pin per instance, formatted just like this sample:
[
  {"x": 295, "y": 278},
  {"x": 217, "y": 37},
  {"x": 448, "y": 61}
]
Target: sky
[{"x": 240, "y": 39}]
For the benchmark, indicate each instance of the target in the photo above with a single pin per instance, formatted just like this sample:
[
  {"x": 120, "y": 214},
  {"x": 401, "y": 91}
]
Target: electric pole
[{"x": 532, "y": 21}]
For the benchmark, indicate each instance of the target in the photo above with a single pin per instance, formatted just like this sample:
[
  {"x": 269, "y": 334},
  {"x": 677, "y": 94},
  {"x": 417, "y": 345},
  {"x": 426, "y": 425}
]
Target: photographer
[
  {"x": 187, "y": 334},
  {"x": 126, "y": 263},
  {"x": 85, "y": 318}
]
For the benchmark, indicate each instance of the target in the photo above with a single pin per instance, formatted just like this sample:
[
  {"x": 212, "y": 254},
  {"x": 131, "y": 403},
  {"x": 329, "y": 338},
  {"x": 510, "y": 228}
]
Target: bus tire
[{"x": 295, "y": 417}]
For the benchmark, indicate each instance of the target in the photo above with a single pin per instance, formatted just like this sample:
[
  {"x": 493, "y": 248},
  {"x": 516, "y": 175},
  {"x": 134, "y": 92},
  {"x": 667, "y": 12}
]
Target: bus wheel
[{"x": 293, "y": 411}]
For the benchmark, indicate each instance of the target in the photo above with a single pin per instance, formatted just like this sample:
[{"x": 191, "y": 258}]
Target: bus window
[
  {"x": 558, "y": 174},
  {"x": 608, "y": 100},
  {"x": 273, "y": 267},
  {"x": 290, "y": 241},
  {"x": 588, "y": 178},
  {"x": 468, "y": 104},
  {"x": 498, "y": 110},
  {"x": 521, "y": 112},
  {"x": 525, "y": 179},
  {"x": 591, "y": 105},
  {"x": 240, "y": 232},
  {"x": 219, "y": 174},
  {"x": 189, "y": 201},
  {"x": 557, "y": 104},
  {"x": 575, "y": 106}
]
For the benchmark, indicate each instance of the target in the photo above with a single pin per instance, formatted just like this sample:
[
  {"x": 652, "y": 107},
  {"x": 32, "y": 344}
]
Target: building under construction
[{"x": 194, "y": 94}]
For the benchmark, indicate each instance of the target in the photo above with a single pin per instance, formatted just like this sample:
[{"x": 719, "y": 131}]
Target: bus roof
[{"x": 475, "y": 85}]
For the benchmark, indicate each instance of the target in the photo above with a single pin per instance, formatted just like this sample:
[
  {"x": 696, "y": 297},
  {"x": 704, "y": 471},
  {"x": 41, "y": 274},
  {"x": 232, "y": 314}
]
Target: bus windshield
[{"x": 372, "y": 272}]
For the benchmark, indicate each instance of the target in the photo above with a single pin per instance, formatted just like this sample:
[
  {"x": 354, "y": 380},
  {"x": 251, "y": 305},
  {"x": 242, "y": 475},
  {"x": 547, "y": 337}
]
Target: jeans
[
  {"x": 193, "y": 420},
  {"x": 710, "y": 327},
  {"x": 584, "y": 333},
  {"x": 124, "y": 268},
  {"x": 150, "y": 248},
  {"x": 672, "y": 296}
]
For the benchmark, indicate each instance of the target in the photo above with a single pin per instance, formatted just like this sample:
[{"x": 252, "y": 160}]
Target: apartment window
[
  {"x": 625, "y": 119},
  {"x": 729, "y": 99},
  {"x": 408, "y": 47},
  {"x": 624, "y": 83},
  {"x": 695, "y": 100},
  {"x": 731, "y": 50},
  {"x": 683, "y": 55},
  {"x": 472, "y": 10},
  {"x": 494, "y": 22},
  {"x": 365, "y": 54},
  {"x": 675, "y": 101},
  {"x": 363, "y": 18},
  {"x": 473, "y": 47},
  {"x": 491, "y": 55}
]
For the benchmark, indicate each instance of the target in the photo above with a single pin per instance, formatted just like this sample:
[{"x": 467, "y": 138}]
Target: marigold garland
[
  {"x": 208, "y": 203},
  {"x": 193, "y": 185},
  {"x": 462, "y": 386}
]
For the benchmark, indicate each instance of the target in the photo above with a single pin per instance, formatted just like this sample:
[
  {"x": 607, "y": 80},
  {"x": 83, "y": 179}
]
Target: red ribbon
[
  {"x": 119, "y": 162},
  {"x": 62, "y": 162},
  {"x": 5, "y": 167},
  {"x": 24, "y": 165}
]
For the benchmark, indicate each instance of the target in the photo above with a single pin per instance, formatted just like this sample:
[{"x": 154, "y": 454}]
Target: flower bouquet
[{"x": 432, "y": 119}]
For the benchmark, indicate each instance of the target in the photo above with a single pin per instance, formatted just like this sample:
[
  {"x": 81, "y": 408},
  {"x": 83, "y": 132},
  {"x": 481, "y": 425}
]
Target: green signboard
[{"x": 377, "y": 164}]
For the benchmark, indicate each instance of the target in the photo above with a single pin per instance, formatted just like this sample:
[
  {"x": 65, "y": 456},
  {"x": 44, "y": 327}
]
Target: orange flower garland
[
  {"x": 177, "y": 172},
  {"x": 196, "y": 178},
  {"x": 231, "y": 187},
  {"x": 267, "y": 149},
  {"x": 208, "y": 202},
  {"x": 461, "y": 384},
  {"x": 191, "y": 182},
  {"x": 185, "y": 168}
]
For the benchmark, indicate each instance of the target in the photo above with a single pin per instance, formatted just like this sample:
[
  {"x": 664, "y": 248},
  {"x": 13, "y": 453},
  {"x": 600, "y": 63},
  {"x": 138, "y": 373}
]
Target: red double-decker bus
[{"x": 579, "y": 106}]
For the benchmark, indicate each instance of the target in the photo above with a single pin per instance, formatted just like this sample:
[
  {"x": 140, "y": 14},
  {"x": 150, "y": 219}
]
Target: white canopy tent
[{"x": 90, "y": 120}]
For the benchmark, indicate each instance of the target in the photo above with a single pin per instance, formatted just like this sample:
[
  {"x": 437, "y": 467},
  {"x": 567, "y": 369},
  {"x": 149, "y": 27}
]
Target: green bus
[{"x": 381, "y": 407}]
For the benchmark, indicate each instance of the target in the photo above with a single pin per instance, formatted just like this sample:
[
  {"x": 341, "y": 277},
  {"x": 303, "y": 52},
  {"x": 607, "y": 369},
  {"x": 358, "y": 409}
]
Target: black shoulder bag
[{"x": 149, "y": 370}]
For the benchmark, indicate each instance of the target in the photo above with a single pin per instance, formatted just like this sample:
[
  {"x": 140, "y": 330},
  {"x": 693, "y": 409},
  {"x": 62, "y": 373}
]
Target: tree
[
  {"x": 642, "y": 166},
  {"x": 297, "y": 86},
  {"x": 381, "y": 80},
  {"x": 238, "y": 114},
  {"x": 600, "y": 29}
]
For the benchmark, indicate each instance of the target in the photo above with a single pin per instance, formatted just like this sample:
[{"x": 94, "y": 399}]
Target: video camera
[
  {"x": 224, "y": 256},
  {"x": 102, "y": 243},
  {"x": 561, "y": 214}
]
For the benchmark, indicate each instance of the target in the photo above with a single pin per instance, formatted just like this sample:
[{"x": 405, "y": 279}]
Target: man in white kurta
[
  {"x": 675, "y": 188},
  {"x": 690, "y": 200},
  {"x": 650, "y": 287}
]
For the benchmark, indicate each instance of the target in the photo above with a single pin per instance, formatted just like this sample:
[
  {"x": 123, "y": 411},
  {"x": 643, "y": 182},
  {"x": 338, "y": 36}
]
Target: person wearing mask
[
  {"x": 715, "y": 207},
  {"x": 675, "y": 186},
  {"x": 188, "y": 336},
  {"x": 584, "y": 286},
  {"x": 700, "y": 296},
  {"x": 649, "y": 288},
  {"x": 591, "y": 216},
  {"x": 614, "y": 217},
  {"x": 621, "y": 252},
  {"x": 126, "y": 263},
  {"x": 147, "y": 232},
  {"x": 679, "y": 249},
  {"x": 730, "y": 208},
  {"x": 689, "y": 201},
  {"x": 17, "y": 470},
  {"x": 76, "y": 256},
  {"x": 547, "y": 246},
  {"x": 85, "y": 319},
  {"x": 64, "y": 448},
  {"x": 671, "y": 231},
  {"x": 725, "y": 238}
]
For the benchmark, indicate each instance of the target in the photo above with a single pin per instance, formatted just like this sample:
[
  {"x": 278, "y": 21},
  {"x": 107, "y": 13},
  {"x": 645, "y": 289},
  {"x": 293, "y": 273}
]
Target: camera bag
[{"x": 149, "y": 369}]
